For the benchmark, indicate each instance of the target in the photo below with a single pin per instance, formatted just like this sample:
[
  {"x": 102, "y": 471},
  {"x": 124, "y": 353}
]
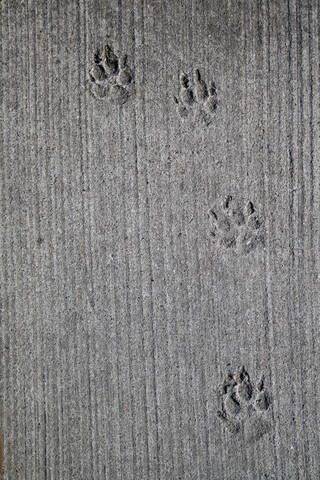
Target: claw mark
[
  {"x": 110, "y": 61},
  {"x": 186, "y": 94},
  {"x": 110, "y": 77},
  {"x": 200, "y": 88},
  {"x": 125, "y": 75},
  {"x": 196, "y": 98}
]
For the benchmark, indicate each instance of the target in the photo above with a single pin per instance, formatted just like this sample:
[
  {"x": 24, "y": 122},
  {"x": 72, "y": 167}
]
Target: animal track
[
  {"x": 244, "y": 407},
  {"x": 235, "y": 226},
  {"x": 196, "y": 98},
  {"x": 110, "y": 77}
]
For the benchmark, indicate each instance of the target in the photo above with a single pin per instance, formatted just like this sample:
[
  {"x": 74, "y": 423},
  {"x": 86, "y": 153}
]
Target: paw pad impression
[
  {"x": 196, "y": 98},
  {"x": 235, "y": 226},
  {"x": 244, "y": 406},
  {"x": 110, "y": 77}
]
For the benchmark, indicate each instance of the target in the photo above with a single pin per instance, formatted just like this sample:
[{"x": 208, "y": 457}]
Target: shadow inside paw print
[
  {"x": 244, "y": 407},
  {"x": 110, "y": 77},
  {"x": 235, "y": 226},
  {"x": 196, "y": 98}
]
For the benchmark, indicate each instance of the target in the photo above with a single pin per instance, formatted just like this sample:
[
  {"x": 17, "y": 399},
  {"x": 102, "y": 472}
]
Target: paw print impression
[
  {"x": 235, "y": 226},
  {"x": 110, "y": 77},
  {"x": 196, "y": 99},
  {"x": 245, "y": 408}
]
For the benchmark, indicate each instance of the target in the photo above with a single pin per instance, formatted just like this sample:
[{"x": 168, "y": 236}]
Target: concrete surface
[{"x": 160, "y": 239}]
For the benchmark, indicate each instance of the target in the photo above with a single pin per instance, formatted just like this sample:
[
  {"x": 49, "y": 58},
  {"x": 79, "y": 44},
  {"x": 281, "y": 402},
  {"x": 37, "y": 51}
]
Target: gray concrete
[{"x": 160, "y": 239}]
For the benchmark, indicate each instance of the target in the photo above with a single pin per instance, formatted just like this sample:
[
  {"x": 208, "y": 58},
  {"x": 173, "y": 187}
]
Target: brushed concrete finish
[{"x": 159, "y": 240}]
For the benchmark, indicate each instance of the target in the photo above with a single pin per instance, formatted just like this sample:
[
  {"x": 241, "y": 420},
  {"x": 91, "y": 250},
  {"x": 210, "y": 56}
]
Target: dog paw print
[
  {"x": 234, "y": 226},
  {"x": 244, "y": 406},
  {"x": 196, "y": 98},
  {"x": 110, "y": 77}
]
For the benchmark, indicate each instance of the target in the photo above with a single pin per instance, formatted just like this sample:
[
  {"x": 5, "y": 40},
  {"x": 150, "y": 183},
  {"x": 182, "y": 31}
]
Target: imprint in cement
[
  {"x": 234, "y": 226},
  {"x": 111, "y": 78},
  {"x": 196, "y": 99},
  {"x": 245, "y": 407}
]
